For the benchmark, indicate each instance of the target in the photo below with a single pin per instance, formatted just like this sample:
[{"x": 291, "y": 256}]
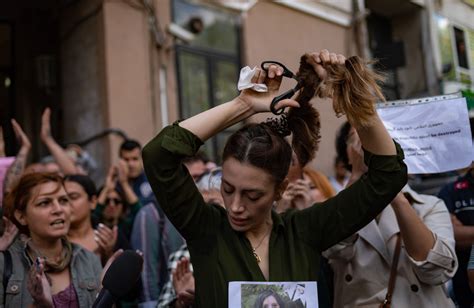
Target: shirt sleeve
[
  {"x": 174, "y": 188},
  {"x": 441, "y": 263},
  {"x": 326, "y": 224}
]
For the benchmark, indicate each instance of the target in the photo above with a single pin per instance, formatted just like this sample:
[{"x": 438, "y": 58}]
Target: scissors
[{"x": 288, "y": 94}]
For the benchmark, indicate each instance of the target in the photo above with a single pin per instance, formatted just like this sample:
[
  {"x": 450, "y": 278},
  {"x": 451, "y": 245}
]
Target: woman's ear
[
  {"x": 20, "y": 217},
  {"x": 281, "y": 189}
]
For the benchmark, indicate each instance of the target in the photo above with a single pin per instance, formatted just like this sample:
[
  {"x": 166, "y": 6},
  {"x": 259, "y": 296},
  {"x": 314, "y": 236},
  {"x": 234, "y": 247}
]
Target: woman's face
[
  {"x": 48, "y": 212},
  {"x": 315, "y": 194},
  {"x": 113, "y": 206},
  {"x": 270, "y": 302},
  {"x": 248, "y": 194},
  {"x": 81, "y": 206}
]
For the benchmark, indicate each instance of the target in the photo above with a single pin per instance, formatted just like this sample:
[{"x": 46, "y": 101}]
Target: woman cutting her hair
[{"x": 248, "y": 241}]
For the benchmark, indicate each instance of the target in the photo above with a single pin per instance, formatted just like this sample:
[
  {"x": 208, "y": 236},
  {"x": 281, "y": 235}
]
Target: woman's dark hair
[
  {"x": 262, "y": 146},
  {"x": 19, "y": 197},
  {"x": 86, "y": 183},
  {"x": 354, "y": 89},
  {"x": 267, "y": 293}
]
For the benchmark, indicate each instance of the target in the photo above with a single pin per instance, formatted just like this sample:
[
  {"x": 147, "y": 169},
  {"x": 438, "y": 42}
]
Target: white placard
[
  {"x": 248, "y": 294},
  {"x": 434, "y": 132}
]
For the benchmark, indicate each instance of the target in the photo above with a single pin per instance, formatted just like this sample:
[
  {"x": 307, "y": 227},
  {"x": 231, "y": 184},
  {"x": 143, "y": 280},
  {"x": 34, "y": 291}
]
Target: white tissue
[{"x": 246, "y": 74}]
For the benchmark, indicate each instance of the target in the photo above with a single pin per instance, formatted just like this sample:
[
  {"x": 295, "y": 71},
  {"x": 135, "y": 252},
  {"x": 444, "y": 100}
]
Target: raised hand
[
  {"x": 38, "y": 286},
  {"x": 111, "y": 179},
  {"x": 183, "y": 283},
  {"x": 260, "y": 101},
  {"x": 284, "y": 203},
  {"x": 301, "y": 192},
  {"x": 16, "y": 169},
  {"x": 106, "y": 239},
  {"x": 122, "y": 171},
  {"x": 9, "y": 234},
  {"x": 22, "y": 137},
  {"x": 321, "y": 59},
  {"x": 46, "y": 125}
]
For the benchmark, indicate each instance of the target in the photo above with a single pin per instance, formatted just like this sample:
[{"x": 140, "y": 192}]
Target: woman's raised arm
[{"x": 210, "y": 122}]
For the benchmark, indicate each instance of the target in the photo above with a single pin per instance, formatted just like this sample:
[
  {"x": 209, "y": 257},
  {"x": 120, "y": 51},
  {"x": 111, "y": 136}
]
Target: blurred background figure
[
  {"x": 117, "y": 207},
  {"x": 306, "y": 186},
  {"x": 459, "y": 199},
  {"x": 341, "y": 175},
  {"x": 91, "y": 235},
  {"x": 406, "y": 254}
]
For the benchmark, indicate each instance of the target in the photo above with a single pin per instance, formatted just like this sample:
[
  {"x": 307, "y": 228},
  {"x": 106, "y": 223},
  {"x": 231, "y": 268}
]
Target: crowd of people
[{"x": 365, "y": 236}]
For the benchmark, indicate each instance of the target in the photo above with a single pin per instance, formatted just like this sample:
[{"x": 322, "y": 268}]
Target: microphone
[{"x": 119, "y": 279}]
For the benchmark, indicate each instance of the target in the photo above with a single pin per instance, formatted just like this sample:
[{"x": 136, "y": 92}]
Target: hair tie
[{"x": 279, "y": 125}]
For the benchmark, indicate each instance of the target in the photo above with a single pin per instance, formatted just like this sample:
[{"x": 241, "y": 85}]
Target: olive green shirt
[{"x": 220, "y": 255}]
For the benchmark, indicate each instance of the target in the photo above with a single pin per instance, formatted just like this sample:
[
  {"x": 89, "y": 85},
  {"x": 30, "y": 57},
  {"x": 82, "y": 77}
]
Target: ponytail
[
  {"x": 355, "y": 90},
  {"x": 303, "y": 122}
]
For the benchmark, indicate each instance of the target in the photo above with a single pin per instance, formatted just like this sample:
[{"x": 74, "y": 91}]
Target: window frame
[
  {"x": 458, "y": 69},
  {"x": 211, "y": 57}
]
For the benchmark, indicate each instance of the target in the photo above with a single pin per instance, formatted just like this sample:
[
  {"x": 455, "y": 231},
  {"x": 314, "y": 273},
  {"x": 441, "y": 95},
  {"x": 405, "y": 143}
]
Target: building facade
[{"x": 138, "y": 65}]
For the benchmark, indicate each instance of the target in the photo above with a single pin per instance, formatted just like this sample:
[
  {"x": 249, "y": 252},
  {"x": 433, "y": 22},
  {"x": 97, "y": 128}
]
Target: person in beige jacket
[{"x": 362, "y": 263}]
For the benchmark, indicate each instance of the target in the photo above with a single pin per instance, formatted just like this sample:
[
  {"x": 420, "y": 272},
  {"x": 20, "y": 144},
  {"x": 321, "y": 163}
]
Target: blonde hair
[{"x": 354, "y": 89}]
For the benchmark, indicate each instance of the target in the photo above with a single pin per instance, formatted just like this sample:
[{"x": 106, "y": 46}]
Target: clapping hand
[
  {"x": 122, "y": 171},
  {"x": 46, "y": 126},
  {"x": 22, "y": 137},
  {"x": 106, "y": 239},
  {"x": 38, "y": 286},
  {"x": 111, "y": 179}
]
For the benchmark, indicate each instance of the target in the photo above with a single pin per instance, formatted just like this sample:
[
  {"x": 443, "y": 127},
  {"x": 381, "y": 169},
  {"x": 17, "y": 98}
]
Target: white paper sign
[
  {"x": 434, "y": 133},
  {"x": 250, "y": 294}
]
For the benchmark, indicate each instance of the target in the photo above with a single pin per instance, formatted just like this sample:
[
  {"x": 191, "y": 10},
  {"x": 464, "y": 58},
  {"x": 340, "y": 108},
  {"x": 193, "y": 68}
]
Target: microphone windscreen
[{"x": 123, "y": 273}]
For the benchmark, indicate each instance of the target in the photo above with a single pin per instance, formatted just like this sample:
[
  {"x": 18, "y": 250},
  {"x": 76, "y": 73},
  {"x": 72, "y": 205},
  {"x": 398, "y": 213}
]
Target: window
[
  {"x": 457, "y": 51},
  {"x": 461, "y": 48},
  {"x": 208, "y": 66}
]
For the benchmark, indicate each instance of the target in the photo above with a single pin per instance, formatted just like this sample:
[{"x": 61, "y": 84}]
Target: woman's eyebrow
[{"x": 250, "y": 190}]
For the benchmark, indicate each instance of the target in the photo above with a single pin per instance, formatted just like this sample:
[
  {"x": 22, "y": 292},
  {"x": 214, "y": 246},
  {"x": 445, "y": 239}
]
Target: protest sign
[
  {"x": 434, "y": 132},
  {"x": 250, "y": 294}
]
